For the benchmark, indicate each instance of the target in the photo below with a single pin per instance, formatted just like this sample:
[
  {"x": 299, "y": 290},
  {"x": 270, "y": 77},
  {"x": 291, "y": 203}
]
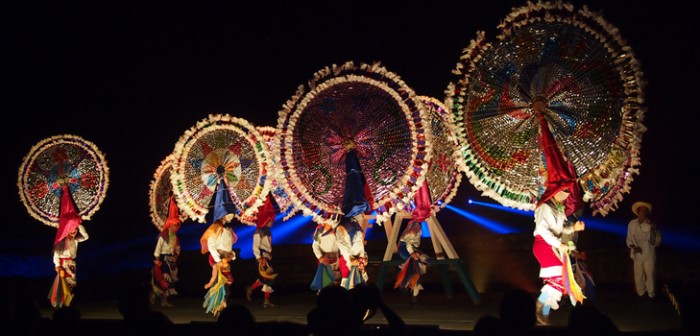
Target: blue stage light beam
[
  {"x": 504, "y": 208},
  {"x": 491, "y": 225},
  {"x": 669, "y": 237},
  {"x": 617, "y": 228},
  {"x": 28, "y": 266},
  {"x": 282, "y": 233},
  {"x": 289, "y": 232}
]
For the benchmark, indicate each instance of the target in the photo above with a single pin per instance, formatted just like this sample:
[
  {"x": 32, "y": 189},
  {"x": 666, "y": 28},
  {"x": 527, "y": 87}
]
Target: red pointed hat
[
  {"x": 560, "y": 173},
  {"x": 423, "y": 203},
  {"x": 68, "y": 217},
  {"x": 173, "y": 214},
  {"x": 266, "y": 213}
]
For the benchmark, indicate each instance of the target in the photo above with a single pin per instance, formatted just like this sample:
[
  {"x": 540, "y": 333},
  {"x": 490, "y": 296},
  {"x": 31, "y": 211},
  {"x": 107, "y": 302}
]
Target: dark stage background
[{"x": 132, "y": 77}]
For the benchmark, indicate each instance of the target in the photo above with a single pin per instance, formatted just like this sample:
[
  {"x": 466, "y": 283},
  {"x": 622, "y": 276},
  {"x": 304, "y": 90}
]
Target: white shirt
[
  {"x": 549, "y": 224},
  {"x": 350, "y": 246},
  {"x": 224, "y": 242},
  {"x": 412, "y": 240},
  {"x": 68, "y": 248},
  {"x": 640, "y": 235},
  {"x": 262, "y": 243},
  {"x": 164, "y": 248},
  {"x": 324, "y": 244}
]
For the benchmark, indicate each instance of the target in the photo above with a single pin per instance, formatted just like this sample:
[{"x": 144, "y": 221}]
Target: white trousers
[{"x": 644, "y": 274}]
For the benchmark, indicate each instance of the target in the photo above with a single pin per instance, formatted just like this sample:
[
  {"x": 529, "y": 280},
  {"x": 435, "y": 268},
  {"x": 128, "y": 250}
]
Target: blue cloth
[
  {"x": 403, "y": 251},
  {"x": 223, "y": 205},
  {"x": 324, "y": 277},
  {"x": 354, "y": 199}
]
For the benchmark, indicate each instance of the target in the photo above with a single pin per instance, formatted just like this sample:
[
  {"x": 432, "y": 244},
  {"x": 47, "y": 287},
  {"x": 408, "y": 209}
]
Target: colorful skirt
[{"x": 61, "y": 292}]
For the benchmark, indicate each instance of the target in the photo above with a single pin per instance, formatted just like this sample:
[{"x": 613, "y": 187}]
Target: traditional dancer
[
  {"x": 561, "y": 198},
  {"x": 350, "y": 233},
  {"x": 65, "y": 250},
  {"x": 550, "y": 250},
  {"x": 262, "y": 249},
  {"x": 410, "y": 276},
  {"x": 352, "y": 253},
  {"x": 325, "y": 247},
  {"x": 218, "y": 241},
  {"x": 164, "y": 272}
]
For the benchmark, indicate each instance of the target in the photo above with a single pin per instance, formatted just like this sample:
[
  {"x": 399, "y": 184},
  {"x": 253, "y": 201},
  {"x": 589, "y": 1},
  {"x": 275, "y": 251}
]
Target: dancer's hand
[
  {"x": 579, "y": 226},
  {"x": 564, "y": 248}
]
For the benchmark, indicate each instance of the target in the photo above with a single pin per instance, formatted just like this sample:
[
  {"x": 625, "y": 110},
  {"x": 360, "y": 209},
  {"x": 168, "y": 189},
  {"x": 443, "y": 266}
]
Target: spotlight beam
[{"x": 491, "y": 225}]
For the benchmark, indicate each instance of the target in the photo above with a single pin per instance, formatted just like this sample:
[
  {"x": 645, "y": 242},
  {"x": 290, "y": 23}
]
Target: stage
[{"x": 435, "y": 311}]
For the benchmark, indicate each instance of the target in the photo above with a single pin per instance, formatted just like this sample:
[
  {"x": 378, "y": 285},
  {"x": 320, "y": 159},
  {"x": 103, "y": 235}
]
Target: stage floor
[{"x": 435, "y": 309}]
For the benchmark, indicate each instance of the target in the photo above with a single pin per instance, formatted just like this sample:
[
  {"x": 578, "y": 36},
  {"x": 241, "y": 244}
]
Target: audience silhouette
[
  {"x": 488, "y": 325},
  {"x": 235, "y": 320},
  {"x": 517, "y": 312},
  {"x": 335, "y": 313},
  {"x": 587, "y": 320}
]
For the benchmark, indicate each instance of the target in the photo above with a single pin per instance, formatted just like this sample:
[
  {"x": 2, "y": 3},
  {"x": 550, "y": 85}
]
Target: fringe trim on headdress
[{"x": 603, "y": 185}]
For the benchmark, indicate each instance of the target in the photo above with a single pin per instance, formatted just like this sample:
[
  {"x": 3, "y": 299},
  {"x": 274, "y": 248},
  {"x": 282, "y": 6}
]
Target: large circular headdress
[
  {"x": 226, "y": 146},
  {"x": 159, "y": 193},
  {"x": 62, "y": 159},
  {"x": 374, "y": 109},
  {"x": 573, "y": 67},
  {"x": 443, "y": 174},
  {"x": 281, "y": 198}
]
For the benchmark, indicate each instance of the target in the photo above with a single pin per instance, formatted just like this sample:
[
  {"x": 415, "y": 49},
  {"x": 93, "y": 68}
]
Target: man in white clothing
[{"x": 642, "y": 239}]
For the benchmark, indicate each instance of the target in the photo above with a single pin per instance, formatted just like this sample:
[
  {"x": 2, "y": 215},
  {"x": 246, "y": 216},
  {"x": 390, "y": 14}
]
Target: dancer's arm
[{"x": 214, "y": 275}]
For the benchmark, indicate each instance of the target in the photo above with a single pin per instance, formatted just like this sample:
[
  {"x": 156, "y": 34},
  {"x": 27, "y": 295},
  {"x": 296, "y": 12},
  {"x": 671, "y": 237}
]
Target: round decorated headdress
[
  {"x": 573, "y": 69},
  {"x": 160, "y": 196},
  {"x": 284, "y": 203},
  {"x": 64, "y": 170},
  {"x": 220, "y": 168},
  {"x": 375, "y": 110},
  {"x": 443, "y": 176}
]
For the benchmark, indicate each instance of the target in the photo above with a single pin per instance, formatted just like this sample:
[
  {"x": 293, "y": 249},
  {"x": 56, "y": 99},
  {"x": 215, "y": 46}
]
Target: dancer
[
  {"x": 550, "y": 250},
  {"x": 412, "y": 271},
  {"x": 218, "y": 240},
  {"x": 164, "y": 272},
  {"x": 561, "y": 198},
  {"x": 349, "y": 233},
  {"x": 352, "y": 253},
  {"x": 65, "y": 250},
  {"x": 325, "y": 247},
  {"x": 262, "y": 249}
]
